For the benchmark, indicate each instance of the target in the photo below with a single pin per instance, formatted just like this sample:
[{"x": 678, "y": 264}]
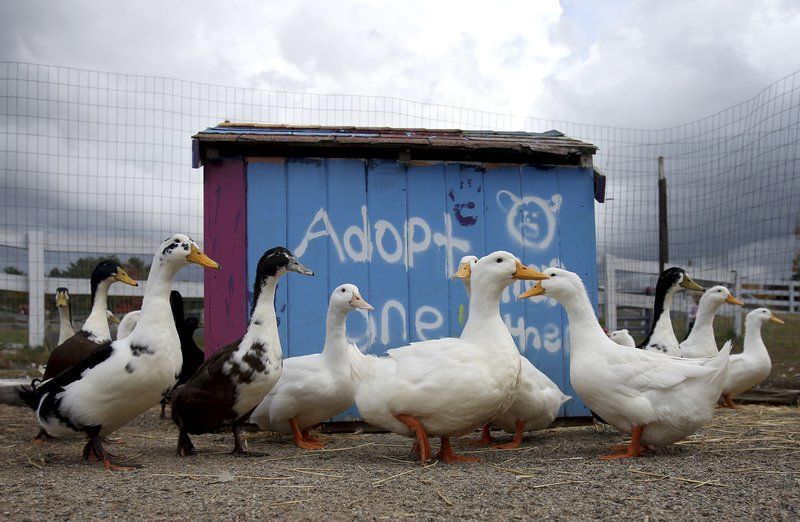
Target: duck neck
[
  {"x": 97, "y": 322},
  {"x": 263, "y": 318},
  {"x": 585, "y": 331},
  {"x": 484, "y": 313},
  {"x": 662, "y": 324},
  {"x": 65, "y": 321},
  {"x": 704, "y": 322},
  {"x": 753, "y": 343},
  {"x": 156, "y": 310},
  {"x": 335, "y": 335}
]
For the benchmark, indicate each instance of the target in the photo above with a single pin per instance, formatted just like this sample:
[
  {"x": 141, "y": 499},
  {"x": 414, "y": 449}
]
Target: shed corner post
[{"x": 225, "y": 232}]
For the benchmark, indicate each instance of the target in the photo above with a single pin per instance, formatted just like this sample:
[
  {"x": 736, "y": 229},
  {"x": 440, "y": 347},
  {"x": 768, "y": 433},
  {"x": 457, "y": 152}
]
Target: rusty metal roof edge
[{"x": 228, "y": 132}]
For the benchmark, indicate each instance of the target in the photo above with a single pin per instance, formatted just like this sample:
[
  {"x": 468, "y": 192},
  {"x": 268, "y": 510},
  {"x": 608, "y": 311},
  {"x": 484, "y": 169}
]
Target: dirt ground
[{"x": 742, "y": 466}]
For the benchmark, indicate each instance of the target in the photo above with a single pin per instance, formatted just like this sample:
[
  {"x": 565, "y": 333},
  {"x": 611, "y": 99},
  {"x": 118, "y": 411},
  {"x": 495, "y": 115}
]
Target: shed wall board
[{"x": 343, "y": 218}]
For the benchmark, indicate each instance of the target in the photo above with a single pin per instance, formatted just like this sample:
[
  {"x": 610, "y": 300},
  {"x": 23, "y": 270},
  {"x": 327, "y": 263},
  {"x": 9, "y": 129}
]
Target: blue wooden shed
[{"x": 392, "y": 211}]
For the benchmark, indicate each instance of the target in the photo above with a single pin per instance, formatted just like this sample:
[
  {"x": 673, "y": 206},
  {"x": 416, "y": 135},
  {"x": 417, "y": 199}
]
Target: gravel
[{"x": 744, "y": 466}]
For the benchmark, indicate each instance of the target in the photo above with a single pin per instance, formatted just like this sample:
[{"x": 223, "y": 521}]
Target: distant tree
[
  {"x": 82, "y": 267},
  {"x": 796, "y": 261},
  {"x": 13, "y": 270},
  {"x": 137, "y": 268}
]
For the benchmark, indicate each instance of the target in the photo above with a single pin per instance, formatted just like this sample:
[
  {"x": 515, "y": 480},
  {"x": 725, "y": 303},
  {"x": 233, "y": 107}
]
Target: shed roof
[{"x": 253, "y": 139}]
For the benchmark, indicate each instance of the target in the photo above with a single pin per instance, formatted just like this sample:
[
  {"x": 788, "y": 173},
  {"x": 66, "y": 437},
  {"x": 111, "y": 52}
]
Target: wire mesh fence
[{"x": 96, "y": 164}]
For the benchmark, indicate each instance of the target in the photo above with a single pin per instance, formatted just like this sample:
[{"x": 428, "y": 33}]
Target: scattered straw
[
  {"x": 681, "y": 479},
  {"x": 287, "y": 503},
  {"x": 387, "y": 479},
  {"x": 307, "y": 472},
  {"x": 537, "y": 486},
  {"x": 197, "y": 476},
  {"x": 441, "y": 496},
  {"x": 35, "y": 465}
]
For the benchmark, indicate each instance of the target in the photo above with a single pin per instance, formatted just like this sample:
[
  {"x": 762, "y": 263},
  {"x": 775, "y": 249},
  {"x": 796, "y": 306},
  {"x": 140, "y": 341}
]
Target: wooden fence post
[{"x": 36, "y": 288}]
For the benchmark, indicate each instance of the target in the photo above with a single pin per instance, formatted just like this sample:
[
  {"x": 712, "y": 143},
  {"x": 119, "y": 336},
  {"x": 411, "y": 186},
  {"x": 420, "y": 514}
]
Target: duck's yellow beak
[
  {"x": 689, "y": 283},
  {"x": 61, "y": 300},
  {"x": 533, "y": 291},
  {"x": 358, "y": 302},
  {"x": 525, "y": 272},
  {"x": 123, "y": 277},
  {"x": 199, "y": 258},
  {"x": 775, "y": 320},
  {"x": 463, "y": 272},
  {"x": 732, "y": 300}
]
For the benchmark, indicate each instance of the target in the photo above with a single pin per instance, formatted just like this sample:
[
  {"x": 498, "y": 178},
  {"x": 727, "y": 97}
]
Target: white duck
[
  {"x": 447, "y": 387},
  {"x": 661, "y": 337},
  {"x": 658, "y": 399},
  {"x": 753, "y": 365},
  {"x": 622, "y": 337},
  {"x": 314, "y": 388},
  {"x": 538, "y": 398},
  {"x": 701, "y": 341},
  {"x": 122, "y": 379},
  {"x": 127, "y": 324}
]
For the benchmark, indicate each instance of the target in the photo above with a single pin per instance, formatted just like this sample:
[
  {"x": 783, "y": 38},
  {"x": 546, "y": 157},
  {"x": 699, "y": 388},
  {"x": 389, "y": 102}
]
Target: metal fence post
[
  {"x": 611, "y": 293},
  {"x": 36, "y": 288}
]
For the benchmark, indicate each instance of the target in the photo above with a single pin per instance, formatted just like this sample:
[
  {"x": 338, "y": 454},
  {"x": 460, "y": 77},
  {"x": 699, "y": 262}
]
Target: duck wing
[
  {"x": 638, "y": 371},
  {"x": 33, "y": 395},
  {"x": 70, "y": 353}
]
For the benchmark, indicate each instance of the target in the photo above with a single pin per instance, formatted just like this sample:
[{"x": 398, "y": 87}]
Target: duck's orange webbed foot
[
  {"x": 729, "y": 401},
  {"x": 632, "y": 450},
  {"x": 516, "y": 442},
  {"x": 308, "y": 438},
  {"x": 447, "y": 456},
  {"x": 422, "y": 436},
  {"x": 485, "y": 440},
  {"x": 300, "y": 441}
]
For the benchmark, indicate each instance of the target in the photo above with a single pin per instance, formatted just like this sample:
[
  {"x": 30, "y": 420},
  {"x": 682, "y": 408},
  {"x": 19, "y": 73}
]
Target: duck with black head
[
  {"x": 661, "y": 337},
  {"x": 120, "y": 380},
  {"x": 230, "y": 384},
  {"x": 95, "y": 330}
]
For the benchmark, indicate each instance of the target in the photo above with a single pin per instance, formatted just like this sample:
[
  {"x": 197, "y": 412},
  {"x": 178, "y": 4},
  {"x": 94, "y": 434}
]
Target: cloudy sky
[
  {"x": 644, "y": 64},
  {"x": 620, "y": 63}
]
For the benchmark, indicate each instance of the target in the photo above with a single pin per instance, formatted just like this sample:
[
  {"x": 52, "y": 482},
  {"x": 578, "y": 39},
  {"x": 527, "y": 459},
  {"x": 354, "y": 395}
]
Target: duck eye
[
  {"x": 499, "y": 259},
  {"x": 177, "y": 240},
  {"x": 343, "y": 290}
]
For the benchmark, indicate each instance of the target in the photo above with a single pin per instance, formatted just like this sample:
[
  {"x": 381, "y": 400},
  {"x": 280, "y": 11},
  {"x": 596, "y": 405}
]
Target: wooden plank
[
  {"x": 427, "y": 262},
  {"x": 539, "y": 213},
  {"x": 464, "y": 228},
  {"x": 225, "y": 230},
  {"x": 266, "y": 219},
  {"x": 576, "y": 237},
  {"x": 388, "y": 281},
  {"x": 308, "y": 229},
  {"x": 348, "y": 255}
]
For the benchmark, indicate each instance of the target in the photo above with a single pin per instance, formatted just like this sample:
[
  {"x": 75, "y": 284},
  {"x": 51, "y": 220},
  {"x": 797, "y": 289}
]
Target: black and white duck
[
  {"x": 120, "y": 380},
  {"x": 661, "y": 337},
  {"x": 95, "y": 330},
  {"x": 231, "y": 383},
  {"x": 193, "y": 356}
]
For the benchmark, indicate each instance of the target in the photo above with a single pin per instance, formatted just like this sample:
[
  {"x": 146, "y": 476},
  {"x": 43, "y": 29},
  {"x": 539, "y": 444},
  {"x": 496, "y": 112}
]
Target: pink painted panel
[{"x": 225, "y": 225}]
